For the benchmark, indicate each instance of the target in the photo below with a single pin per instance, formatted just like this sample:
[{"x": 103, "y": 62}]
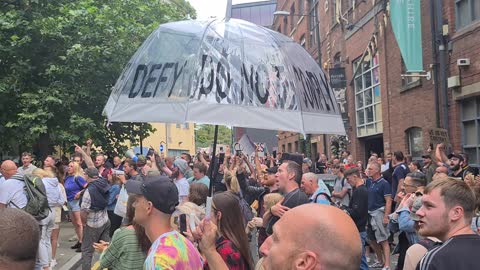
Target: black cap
[
  {"x": 159, "y": 190},
  {"x": 456, "y": 154}
]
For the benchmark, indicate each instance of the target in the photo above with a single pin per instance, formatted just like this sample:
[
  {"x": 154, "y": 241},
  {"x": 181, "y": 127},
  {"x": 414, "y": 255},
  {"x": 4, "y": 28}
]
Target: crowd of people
[{"x": 223, "y": 212}]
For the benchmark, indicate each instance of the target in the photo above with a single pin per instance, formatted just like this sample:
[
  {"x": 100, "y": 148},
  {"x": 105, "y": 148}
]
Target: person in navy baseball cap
[{"x": 160, "y": 191}]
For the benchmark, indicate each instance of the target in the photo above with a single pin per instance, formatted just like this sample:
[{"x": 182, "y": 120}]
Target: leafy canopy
[{"x": 59, "y": 60}]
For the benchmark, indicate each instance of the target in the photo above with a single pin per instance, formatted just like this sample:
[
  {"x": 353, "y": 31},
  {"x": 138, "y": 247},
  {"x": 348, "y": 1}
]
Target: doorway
[{"x": 373, "y": 145}]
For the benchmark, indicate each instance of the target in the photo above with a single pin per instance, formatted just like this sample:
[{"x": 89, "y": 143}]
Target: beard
[{"x": 454, "y": 167}]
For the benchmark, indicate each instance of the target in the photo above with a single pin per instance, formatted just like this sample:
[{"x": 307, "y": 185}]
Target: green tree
[
  {"x": 204, "y": 135},
  {"x": 59, "y": 60}
]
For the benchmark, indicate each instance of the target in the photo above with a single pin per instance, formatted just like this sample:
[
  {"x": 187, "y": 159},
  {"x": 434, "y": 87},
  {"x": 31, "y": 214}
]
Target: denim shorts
[{"x": 74, "y": 206}]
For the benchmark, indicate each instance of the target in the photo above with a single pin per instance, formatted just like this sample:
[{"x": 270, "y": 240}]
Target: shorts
[
  {"x": 58, "y": 216},
  {"x": 74, "y": 206},
  {"x": 377, "y": 233}
]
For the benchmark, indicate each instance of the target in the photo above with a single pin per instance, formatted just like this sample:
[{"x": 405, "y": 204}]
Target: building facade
[
  {"x": 171, "y": 139},
  {"x": 382, "y": 110}
]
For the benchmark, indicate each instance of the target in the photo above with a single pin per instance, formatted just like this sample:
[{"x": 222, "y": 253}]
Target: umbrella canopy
[{"x": 225, "y": 72}]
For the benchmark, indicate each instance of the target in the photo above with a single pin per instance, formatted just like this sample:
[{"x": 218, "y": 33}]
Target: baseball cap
[
  {"x": 455, "y": 154},
  {"x": 427, "y": 156},
  {"x": 157, "y": 189},
  {"x": 272, "y": 170},
  {"x": 181, "y": 164},
  {"x": 416, "y": 205},
  {"x": 92, "y": 172}
]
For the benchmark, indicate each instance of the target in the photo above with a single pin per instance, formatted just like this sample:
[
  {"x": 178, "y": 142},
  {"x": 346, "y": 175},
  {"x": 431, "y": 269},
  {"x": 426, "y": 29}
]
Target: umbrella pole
[{"x": 212, "y": 161}]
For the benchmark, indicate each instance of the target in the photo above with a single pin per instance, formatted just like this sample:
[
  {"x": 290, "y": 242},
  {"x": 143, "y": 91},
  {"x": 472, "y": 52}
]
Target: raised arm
[{"x": 87, "y": 158}]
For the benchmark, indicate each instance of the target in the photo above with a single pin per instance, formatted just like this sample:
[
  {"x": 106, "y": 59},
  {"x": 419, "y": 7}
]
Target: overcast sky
[{"x": 217, "y": 8}]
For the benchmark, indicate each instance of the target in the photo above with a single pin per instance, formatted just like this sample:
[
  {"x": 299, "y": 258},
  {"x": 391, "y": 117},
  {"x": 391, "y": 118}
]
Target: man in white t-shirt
[
  {"x": 11, "y": 191},
  {"x": 180, "y": 168},
  {"x": 27, "y": 167}
]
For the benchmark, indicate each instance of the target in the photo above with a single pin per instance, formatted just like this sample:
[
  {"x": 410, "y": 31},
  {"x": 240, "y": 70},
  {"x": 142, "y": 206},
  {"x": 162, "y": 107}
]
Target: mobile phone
[
  {"x": 183, "y": 223},
  {"x": 221, "y": 157},
  {"x": 221, "y": 149},
  {"x": 274, "y": 154}
]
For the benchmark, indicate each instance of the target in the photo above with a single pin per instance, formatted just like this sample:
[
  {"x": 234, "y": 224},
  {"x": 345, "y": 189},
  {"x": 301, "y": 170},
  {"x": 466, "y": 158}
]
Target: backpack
[
  {"x": 37, "y": 202},
  {"x": 326, "y": 196}
]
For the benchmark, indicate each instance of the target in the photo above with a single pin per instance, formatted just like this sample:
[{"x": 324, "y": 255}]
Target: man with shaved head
[
  {"x": 301, "y": 240},
  {"x": 20, "y": 236},
  {"x": 331, "y": 243},
  {"x": 11, "y": 190}
]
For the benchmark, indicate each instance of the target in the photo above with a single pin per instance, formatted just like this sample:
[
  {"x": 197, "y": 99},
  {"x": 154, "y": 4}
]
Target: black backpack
[
  {"x": 326, "y": 196},
  {"x": 37, "y": 202}
]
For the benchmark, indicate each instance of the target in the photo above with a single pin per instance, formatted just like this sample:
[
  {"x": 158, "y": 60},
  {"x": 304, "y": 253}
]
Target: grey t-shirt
[
  {"x": 341, "y": 183},
  {"x": 12, "y": 190}
]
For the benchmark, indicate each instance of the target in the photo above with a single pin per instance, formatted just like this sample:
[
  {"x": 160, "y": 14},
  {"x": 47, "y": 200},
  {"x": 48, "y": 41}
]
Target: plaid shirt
[{"x": 95, "y": 219}]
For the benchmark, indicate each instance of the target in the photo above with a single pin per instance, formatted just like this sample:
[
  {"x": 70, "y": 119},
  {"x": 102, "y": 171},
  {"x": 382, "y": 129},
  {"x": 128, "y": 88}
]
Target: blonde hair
[
  {"x": 77, "y": 170},
  {"x": 42, "y": 173},
  {"x": 231, "y": 180},
  {"x": 271, "y": 199}
]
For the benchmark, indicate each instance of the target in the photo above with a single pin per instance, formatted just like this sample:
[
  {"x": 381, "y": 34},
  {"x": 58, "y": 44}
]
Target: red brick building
[{"x": 385, "y": 111}]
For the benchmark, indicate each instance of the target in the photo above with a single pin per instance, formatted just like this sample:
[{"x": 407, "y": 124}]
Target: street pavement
[{"x": 66, "y": 257}]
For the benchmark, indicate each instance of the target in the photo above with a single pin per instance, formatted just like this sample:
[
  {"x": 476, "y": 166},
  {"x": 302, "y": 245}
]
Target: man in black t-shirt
[
  {"x": 358, "y": 207},
  {"x": 448, "y": 206},
  {"x": 289, "y": 178}
]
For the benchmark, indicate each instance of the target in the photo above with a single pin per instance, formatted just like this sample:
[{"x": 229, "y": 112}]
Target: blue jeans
[{"x": 363, "y": 263}]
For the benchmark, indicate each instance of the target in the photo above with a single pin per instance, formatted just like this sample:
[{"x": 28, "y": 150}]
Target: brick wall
[{"x": 402, "y": 108}]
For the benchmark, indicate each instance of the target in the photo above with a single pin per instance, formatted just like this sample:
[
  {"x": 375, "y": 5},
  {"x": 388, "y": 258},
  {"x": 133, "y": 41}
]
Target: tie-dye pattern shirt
[{"x": 173, "y": 251}]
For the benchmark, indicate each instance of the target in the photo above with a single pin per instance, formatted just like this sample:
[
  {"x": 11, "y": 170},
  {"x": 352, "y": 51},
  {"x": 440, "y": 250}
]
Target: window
[
  {"x": 415, "y": 142},
  {"x": 471, "y": 129},
  {"x": 289, "y": 148},
  {"x": 333, "y": 11},
  {"x": 296, "y": 147},
  {"x": 313, "y": 22},
  {"x": 285, "y": 25},
  {"x": 337, "y": 60},
  {"x": 368, "y": 105},
  {"x": 301, "y": 8},
  {"x": 283, "y": 148},
  {"x": 178, "y": 126},
  {"x": 467, "y": 12},
  {"x": 293, "y": 15}
]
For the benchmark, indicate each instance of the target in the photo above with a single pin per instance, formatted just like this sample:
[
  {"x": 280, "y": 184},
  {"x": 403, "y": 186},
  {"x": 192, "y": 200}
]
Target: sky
[{"x": 208, "y": 8}]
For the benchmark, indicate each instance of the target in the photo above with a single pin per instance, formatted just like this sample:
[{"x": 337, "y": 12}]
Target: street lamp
[{"x": 308, "y": 137}]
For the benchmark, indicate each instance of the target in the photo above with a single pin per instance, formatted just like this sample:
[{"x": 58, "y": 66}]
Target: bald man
[
  {"x": 20, "y": 236},
  {"x": 301, "y": 240},
  {"x": 11, "y": 190}
]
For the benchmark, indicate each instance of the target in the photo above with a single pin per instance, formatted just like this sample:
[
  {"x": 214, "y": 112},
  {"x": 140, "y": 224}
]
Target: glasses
[{"x": 408, "y": 185}]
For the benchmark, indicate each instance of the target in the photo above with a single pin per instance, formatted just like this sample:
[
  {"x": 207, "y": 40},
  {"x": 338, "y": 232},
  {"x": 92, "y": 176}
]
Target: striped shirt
[
  {"x": 458, "y": 253},
  {"x": 123, "y": 252}
]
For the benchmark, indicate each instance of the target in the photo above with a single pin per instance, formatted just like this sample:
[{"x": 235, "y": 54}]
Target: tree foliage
[
  {"x": 59, "y": 60},
  {"x": 204, "y": 135}
]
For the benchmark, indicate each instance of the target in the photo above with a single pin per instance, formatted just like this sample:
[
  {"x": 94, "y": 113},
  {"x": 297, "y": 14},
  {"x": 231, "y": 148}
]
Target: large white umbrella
[{"x": 225, "y": 72}]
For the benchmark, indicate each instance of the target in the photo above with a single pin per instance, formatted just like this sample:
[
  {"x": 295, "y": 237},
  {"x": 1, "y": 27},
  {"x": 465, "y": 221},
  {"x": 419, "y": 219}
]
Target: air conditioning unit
[
  {"x": 463, "y": 62},
  {"x": 453, "y": 82}
]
